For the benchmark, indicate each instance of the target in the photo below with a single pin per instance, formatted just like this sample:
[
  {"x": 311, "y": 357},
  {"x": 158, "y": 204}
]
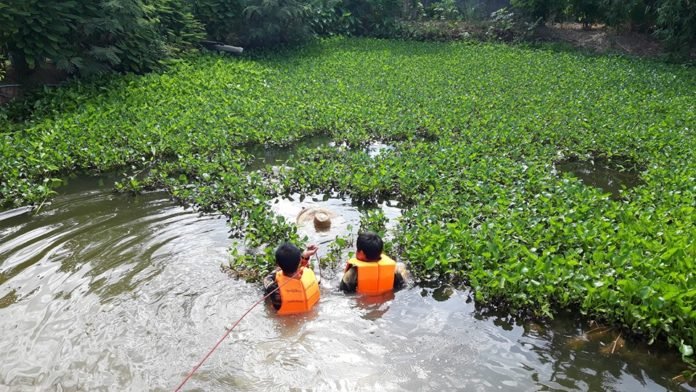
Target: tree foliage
[
  {"x": 638, "y": 15},
  {"x": 535, "y": 9},
  {"x": 271, "y": 22},
  {"x": 177, "y": 25},
  {"x": 586, "y": 11},
  {"x": 2, "y": 66},
  {"x": 331, "y": 17},
  {"x": 374, "y": 17},
  {"x": 95, "y": 36},
  {"x": 676, "y": 24},
  {"x": 222, "y": 19},
  {"x": 99, "y": 36},
  {"x": 673, "y": 21}
]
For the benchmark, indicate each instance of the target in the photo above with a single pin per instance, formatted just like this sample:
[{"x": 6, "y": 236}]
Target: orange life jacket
[
  {"x": 299, "y": 294},
  {"x": 375, "y": 277}
]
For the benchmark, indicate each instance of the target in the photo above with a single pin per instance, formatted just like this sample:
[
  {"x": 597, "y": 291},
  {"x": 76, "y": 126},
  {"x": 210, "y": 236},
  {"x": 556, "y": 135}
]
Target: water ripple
[{"x": 117, "y": 293}]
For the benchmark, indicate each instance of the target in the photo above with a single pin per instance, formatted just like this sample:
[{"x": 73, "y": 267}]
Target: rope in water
[
  {"x": 318, "y": 266},
  {"x": 195, "y": 368},
  {"x": 227, "y": 333}
]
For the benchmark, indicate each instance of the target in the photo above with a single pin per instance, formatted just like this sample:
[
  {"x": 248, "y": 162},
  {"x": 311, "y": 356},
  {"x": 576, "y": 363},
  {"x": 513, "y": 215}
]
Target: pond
[{"x": 111, "y": 292}]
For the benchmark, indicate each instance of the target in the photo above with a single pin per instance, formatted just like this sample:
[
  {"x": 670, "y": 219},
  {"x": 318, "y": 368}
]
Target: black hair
[
  {"x": 287, "y": 257},
  {"x": 370, "y": 244}
]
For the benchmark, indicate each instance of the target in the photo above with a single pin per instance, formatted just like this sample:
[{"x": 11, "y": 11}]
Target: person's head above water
[
  {"x": 322, "y": 221},
  {"x": 287, "y": 257},
  {"x": 369, "y": 246}
]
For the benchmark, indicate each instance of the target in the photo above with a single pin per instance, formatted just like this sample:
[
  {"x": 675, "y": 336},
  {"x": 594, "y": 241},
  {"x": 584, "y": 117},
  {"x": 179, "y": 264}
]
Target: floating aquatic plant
[{"x": 475, "y": 131}]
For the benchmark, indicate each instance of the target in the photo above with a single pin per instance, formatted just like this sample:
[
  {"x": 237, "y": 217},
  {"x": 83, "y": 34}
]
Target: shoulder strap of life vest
[
  {"x": 375, "y": 277},
  {"x": 297, "y": 294}
]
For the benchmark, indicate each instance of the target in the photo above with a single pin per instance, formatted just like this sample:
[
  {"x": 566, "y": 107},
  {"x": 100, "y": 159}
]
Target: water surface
[
  {"x": 611, "y": 177},
  {"x": 106, "y": 292}
]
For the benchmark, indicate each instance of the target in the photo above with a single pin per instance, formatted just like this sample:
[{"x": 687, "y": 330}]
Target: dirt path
[{"x": 602, "y": 39}]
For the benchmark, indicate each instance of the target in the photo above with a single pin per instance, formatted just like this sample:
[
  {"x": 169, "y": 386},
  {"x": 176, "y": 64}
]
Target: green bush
[
  {"x": 177, "y": 25},
  {"x": 587, "y": 12},
  {"x": 329, "y": 17},
  {"x": 374, "y": 17},
  {"x": 95, "y": 36},
  {"x": 436, "y": 30},
  {"x": 444, "y": 10},
  {"x": 31, "y": 32},
  {"x": 638, "y": 15},
  {"x": 508, "y": 27},
  {"x": 676, "y": 25},
  {"x": 259, "y": 23},
  {"x": 2, "y": 66},
  {"x": 544, "y": 9},
  {"x": 118, "y": 35},
  {"x": 271, "y": 22},
  {"x": 222, "y": 19}
]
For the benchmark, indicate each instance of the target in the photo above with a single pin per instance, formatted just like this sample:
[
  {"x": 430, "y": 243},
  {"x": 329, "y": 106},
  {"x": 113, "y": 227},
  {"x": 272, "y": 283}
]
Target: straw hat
[
  {"x": 322, "y": 221},
  {"x": 319, "y": 216}
]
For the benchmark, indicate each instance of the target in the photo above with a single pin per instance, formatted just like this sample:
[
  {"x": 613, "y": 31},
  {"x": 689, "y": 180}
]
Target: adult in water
[
  {"x": 297, "y": 287},
  {"x": 371, "y": 271}
]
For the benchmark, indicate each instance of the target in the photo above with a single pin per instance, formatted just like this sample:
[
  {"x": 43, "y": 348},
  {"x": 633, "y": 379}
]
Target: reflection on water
[
  {"x": 345, "y": 217},
  {"x": 117, "y": 293},
  {"x": 8, "y": 299},
  {"x": 345, "y": 222},
  {"x": 600, "y": 173},
  {"x": 272, "y": 156}
]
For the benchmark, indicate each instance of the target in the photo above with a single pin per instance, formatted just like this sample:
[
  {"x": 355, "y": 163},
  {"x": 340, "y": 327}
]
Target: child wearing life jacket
[
  {"x": 371, "y": 271},
  {"x": 298, "y": 290}
]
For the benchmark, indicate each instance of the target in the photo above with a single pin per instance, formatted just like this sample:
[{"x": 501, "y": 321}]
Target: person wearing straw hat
[
  {"x": 322, "y": 221},
  {"x": 320, "y": 217}
]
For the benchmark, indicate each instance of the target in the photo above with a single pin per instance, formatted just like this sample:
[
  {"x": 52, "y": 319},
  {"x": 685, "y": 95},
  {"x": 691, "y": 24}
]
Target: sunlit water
[{"x": 105, "y": 292}]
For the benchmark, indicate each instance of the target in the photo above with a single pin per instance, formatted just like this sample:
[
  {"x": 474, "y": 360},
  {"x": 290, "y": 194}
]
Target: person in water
[
  {"x": 297, "y": 287},
  {"x": 371, "y": 271}
]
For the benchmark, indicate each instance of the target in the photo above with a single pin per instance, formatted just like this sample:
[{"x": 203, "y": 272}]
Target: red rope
[{"x": 195, "y": 368}]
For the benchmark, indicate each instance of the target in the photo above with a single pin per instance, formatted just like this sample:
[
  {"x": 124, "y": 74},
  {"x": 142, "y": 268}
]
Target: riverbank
[{"x": 600, "y": 39}]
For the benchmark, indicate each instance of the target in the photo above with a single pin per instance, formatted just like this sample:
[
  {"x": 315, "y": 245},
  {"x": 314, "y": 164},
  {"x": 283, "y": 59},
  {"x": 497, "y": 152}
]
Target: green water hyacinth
[{"x": 475, "y": 130}]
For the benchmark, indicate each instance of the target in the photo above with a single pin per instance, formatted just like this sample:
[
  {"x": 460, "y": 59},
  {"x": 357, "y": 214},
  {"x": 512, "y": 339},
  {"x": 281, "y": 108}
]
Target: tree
[
  {"x": 587, "y": 11},
  {"x": 94, "y": 36},
  {"x": 540, "y": 9},
  {"x": 676, "y": 25},
  {"x": 270, "y": 22},
  {"x": 638, "y": 15}
]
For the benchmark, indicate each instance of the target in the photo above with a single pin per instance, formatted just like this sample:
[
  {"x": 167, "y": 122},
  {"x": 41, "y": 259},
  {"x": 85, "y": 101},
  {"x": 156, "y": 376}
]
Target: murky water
[
  {"x": 117, "y": 293},
  {"x": 601, "y": 174},
  {"x": 265, "y": 156},
  {"x": 105, "y": 292},
  {"x": 345, "y": 222}
]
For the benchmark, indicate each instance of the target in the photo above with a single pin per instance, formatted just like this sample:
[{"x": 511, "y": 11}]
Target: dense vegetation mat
[{"x": 476, "y": 130}]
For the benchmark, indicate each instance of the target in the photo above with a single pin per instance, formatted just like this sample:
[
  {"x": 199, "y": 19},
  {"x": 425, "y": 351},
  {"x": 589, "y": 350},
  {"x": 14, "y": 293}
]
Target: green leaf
[{"x": 669, "y": 253}]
